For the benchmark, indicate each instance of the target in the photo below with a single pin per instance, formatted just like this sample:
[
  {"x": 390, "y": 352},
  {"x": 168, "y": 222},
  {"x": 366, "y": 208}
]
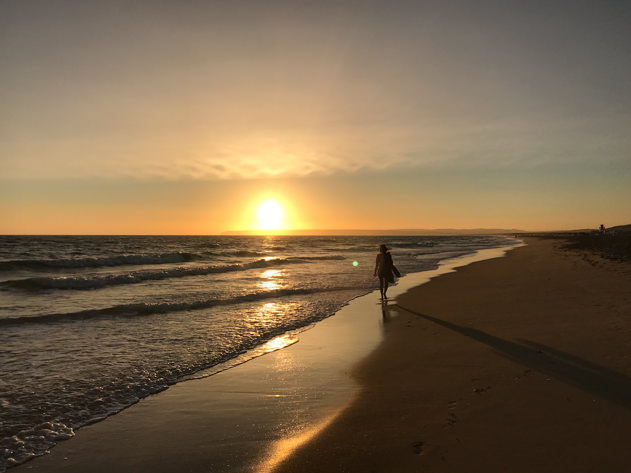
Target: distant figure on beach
[
  {"x": 602, "y": 228},
  {"x": 385, "y": 269}
]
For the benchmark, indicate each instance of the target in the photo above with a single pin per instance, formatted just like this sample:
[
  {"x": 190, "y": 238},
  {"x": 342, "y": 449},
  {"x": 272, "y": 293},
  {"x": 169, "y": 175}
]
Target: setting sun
[{"x": 270, "y": 215}]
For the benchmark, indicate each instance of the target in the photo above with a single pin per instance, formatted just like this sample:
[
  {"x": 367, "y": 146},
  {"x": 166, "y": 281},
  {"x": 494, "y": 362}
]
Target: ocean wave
[
  {"x": 355, "y": 249},
  {"x": 81, "y": 283},
  {"x": 142, "y": 308},
  {"x": 98, "y": 262},
  {"x": 316, "y": 258},
  {"x": 419, "y": 244},
  {"x": 245, "y": 253}
]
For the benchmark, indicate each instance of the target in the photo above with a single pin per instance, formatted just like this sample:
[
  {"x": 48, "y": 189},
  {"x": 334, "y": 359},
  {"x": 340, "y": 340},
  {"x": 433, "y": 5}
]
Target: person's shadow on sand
[{"x": 582, "y": 374}]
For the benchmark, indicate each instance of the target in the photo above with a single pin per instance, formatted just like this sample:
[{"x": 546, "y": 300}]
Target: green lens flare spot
[{"x": 355, "y": 263}]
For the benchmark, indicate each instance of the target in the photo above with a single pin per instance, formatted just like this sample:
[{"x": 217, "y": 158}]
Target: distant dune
[
  {"x": 614, "y": 243},
  {"x": 595, "y": 229},
  {"x": 620, "y": 228},
  {"x": 396, "y": 232}
]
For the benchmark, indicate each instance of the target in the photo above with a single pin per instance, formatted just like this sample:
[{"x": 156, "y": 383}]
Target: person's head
[{"x": 383, "y": 248}]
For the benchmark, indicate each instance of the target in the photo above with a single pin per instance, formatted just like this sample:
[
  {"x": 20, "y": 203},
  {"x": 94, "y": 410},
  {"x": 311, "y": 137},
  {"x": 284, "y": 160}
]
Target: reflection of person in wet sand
[
  {"x": 384, "y": 268},
  {"x": 385, "y": 312}
]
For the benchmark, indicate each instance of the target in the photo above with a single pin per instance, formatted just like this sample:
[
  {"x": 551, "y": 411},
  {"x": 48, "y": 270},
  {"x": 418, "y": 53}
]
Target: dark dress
[{"x": 384, "y": 266}]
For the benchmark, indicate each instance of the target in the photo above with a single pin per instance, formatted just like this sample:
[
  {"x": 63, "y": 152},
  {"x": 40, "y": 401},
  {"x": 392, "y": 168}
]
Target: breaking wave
[
  {"x": 80, "y": 283},
  {"x": 99, "y": 262},
  {"x": 142, "y": 308}
]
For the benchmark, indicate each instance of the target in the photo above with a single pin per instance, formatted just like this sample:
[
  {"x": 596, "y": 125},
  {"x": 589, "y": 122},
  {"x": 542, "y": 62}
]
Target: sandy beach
[
  {"x": 516, "y": 364},
  {"x": 520, "y": 363}
]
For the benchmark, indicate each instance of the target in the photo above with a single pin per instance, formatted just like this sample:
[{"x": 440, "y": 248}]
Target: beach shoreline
[
  {"x": 289, "y": 396},
  {"x": 513, "y": 364}
]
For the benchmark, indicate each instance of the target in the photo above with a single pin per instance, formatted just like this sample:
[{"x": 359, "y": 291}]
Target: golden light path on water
[{"x": 270, "y": 280}]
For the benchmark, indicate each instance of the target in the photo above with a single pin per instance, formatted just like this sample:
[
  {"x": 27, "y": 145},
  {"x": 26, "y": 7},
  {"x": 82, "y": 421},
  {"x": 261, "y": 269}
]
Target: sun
[{"x": 270, "y": 215}]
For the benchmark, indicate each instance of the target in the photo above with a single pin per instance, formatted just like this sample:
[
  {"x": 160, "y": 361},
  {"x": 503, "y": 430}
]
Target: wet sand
[{"x": 518, "y": 364}]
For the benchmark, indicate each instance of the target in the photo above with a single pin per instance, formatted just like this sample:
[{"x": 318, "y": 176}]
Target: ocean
[{"x": 89, "y": 325}]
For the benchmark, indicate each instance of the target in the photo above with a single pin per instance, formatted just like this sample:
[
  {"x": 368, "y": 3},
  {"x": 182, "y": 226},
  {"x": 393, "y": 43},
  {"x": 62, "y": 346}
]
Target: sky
[{"x": 165, "y": 117}]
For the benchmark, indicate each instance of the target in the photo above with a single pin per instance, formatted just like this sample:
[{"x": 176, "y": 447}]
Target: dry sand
[{"x": 518, "y": 364}]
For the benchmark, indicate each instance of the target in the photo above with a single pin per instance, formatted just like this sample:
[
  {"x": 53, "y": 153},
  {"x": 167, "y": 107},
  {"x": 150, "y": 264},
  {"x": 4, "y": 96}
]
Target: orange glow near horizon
[{"x": 353, "y": 202}]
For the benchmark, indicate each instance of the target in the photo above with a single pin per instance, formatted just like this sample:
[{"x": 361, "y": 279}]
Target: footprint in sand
[
  {"x": 418, "y": 448},
  {"x": 451, "y": 421}
]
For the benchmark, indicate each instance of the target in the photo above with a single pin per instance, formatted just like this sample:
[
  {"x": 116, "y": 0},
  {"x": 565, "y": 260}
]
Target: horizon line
[{"x": 323, "y": 232}]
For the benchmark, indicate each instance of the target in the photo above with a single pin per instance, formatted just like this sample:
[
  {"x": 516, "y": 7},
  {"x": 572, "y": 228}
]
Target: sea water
[{"x": 91, "y": 324}]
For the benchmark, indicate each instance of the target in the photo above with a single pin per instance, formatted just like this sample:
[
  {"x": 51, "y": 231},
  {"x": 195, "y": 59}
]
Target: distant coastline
[{"x": 389, "y": 232}]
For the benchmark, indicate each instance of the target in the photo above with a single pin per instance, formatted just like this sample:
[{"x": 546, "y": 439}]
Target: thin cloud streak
[{"x": 342, "y": 151}]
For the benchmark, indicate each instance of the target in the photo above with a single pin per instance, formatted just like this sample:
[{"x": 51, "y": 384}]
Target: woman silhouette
[{"x": 384, "y": 267}]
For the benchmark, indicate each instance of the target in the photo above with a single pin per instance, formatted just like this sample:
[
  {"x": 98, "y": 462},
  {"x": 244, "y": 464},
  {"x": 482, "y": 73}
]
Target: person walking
[{"x": 385, "y": 269}]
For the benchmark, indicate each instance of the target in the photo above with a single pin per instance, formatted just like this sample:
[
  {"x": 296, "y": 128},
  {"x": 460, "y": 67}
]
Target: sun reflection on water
[
  {"x": 278, "y": 343},
  {"x": 267, "y": 315},
  {"x": 270, "y": 280}
]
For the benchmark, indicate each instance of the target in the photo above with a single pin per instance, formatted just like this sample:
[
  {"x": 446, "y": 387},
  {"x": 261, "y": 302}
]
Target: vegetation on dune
[{"x": 609, "y": 245}]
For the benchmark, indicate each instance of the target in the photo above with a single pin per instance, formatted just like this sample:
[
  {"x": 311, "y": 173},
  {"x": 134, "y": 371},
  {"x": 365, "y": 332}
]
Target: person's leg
[
  {"x": 381, "y": 282},
  {"x": 385, "y": 288}
]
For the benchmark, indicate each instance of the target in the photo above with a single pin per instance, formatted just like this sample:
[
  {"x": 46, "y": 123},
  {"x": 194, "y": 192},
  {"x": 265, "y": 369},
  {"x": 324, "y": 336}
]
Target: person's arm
[{"x": 376, "y": 266}]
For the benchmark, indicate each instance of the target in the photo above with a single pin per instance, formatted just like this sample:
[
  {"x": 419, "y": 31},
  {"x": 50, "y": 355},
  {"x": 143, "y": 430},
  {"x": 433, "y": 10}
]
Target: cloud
[{"x": 298, "y": 153}]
